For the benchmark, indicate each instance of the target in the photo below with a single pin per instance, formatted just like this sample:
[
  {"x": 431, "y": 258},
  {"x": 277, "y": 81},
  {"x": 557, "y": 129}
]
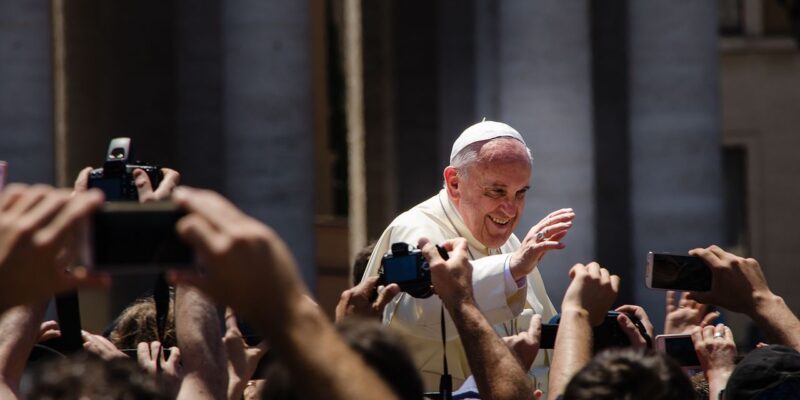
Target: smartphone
[
  {"x": 677, "y": 272},
  {"x": 133, "y": 237},
  {"x": 3, "y": 169},
  {"x": 680, "y": 348},
  {"x": 547, "y": 340}
]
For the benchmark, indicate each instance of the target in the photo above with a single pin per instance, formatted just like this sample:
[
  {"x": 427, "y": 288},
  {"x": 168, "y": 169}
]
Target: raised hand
[
  {"x": 151, "y": 357},
  {"x": 101, "y": 347},
  {"x": 525, "y": 345},
  {"x": 37, "y": 226},
  {"x": 541, "y": 238},
  {"x": 716, "y": 351},
  {"x": 687, "y": 314},
  {"x": 242, "y": 359},
  {"x": 593, "y": 290}
]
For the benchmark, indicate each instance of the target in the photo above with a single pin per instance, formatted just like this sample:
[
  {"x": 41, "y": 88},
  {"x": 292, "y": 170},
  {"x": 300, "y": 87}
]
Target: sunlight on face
[{"x": 491, "y": 197}]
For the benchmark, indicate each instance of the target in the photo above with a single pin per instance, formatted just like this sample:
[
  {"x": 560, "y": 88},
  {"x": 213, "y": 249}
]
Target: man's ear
[{"x": 452, "y": 182}]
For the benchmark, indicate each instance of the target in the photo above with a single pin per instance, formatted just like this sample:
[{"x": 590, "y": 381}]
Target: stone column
[
  {"x": 266, "y": 120},
  {"x": 26, "y": 98},
  {"x": 199, "y": 140},
  {"x": 543, "y": 89},
  {"x": 675, "y": 164}
]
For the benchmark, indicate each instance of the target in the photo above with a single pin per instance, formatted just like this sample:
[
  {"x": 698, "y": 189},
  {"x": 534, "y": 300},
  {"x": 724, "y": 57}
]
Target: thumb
[
  {"x": 143, "y": 185},
  {"x": 430, "y": 252},
  {"x": 637, "y": 341},
  {"x": 388, "y": 293},
  {"x": 535, "y": 329}
]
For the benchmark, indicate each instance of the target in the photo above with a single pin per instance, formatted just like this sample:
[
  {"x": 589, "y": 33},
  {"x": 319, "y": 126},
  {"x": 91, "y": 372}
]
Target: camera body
[
  {"x": 129, "y": 237},
  {"x": 406, "y": 267},
  {"x": 115, "y": 178},
  {"x": 608, "y": 334}
]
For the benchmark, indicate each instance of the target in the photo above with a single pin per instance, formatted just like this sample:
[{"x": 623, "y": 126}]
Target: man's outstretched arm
[
  {"x": 497, "y": 372},
  {"x": 586, "y": 302}
]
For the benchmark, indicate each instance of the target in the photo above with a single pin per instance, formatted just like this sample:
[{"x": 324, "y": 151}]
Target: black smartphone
[
  {"x": 548, "y": 338},
  {"x": 679, "y": 347},
  {"x": 134, "y": 237},
  {"x": 677, "y": 272}
]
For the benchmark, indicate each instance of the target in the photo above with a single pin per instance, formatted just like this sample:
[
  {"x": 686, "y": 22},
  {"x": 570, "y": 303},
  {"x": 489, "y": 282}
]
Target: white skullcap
[{"x": 481, "y": 131}]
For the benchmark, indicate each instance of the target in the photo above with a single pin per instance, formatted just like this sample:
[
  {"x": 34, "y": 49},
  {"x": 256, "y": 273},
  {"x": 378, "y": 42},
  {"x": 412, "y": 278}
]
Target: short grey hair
[{"x": 469, "y": 155}]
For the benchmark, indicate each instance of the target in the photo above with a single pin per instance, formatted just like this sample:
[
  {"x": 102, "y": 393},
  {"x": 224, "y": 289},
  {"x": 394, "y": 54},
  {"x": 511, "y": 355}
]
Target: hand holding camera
[
  {"x": 120, "y": 179},
  {"x": 408, "y": 268},
  {"x": 451, "y": 271}
]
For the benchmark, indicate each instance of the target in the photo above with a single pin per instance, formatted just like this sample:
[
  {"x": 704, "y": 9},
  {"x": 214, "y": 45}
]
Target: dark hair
[
  {"x": 137, "y": 323},
  {"x": 627, "y": 373},
  {"x": 87, "y": 376},
  {"x": 361, "y": 261},
  {"x": 381, "y": 349}
]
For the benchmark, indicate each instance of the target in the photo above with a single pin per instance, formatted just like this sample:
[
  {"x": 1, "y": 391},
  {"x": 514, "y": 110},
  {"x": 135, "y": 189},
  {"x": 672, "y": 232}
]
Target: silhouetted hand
[{"x": 38, "y": 226}]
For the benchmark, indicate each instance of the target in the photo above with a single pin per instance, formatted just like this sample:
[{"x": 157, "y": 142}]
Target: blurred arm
[
  {"x": 198, "y": 334},
  {"x": 19, "y": 331}
]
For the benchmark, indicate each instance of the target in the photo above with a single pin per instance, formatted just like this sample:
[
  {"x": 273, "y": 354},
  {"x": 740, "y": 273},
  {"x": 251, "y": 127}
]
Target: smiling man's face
[{"x": 491, "y": 196}]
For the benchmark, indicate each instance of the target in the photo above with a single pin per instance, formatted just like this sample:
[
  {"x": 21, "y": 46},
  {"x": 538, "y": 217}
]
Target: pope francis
[{"x": 482, "y": 200}]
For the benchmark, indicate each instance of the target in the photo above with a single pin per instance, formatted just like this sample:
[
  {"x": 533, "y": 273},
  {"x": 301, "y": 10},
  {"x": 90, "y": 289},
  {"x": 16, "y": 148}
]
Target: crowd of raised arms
[{"x": 246, "y": 268}]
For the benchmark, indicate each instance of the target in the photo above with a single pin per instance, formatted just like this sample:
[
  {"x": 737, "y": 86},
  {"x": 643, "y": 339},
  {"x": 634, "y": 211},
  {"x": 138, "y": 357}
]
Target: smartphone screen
[
  {"x": 130, "y": 237},
  {"x": 679, "y": 347},
  {"x": 671, "y": 271},
  {"x": 3, "y": 168}
]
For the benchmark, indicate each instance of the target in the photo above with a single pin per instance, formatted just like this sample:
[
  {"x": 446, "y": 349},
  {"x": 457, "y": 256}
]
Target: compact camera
[
  {"x": 128, "y": 237},
  {"x": 406, "y": 267},
  {"x": 115, "y": 179}
]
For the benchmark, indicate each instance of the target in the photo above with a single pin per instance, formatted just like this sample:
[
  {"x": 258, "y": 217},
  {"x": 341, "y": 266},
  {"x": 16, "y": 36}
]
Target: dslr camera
[
  {"x": 115, "y": 179},
  {"x": 405, "y": 266}
]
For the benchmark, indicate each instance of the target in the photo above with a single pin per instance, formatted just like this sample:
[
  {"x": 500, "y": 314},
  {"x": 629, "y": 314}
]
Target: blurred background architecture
[{"x": 665, "y": 124}]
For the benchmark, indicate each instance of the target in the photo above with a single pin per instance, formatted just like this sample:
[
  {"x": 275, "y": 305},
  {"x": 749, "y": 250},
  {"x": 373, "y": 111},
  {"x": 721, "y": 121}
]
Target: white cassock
[{"x": 499, "y": 297}]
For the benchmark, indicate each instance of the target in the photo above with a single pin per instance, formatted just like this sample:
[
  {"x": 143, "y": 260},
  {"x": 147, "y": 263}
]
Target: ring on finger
[
  {"x": 719, "y": 335},
  {"x": 539, "y": 236}
]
